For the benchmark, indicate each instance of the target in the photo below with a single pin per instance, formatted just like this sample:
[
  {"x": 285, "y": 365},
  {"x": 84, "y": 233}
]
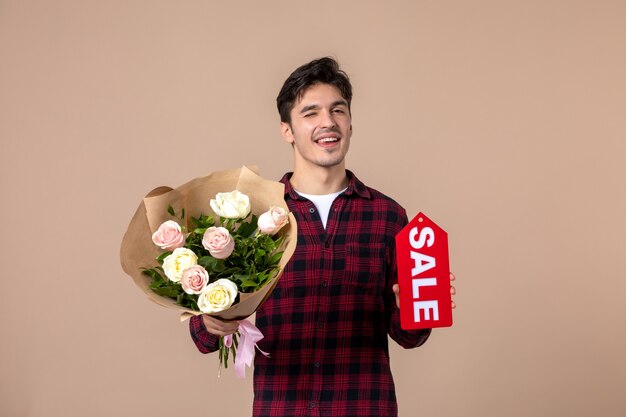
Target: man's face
[{"x": 320, "y": 127}]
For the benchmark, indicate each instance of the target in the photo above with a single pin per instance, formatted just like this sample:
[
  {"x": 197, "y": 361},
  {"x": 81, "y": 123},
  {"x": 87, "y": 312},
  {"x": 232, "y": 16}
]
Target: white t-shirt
[{"x": 322, "y": 203}]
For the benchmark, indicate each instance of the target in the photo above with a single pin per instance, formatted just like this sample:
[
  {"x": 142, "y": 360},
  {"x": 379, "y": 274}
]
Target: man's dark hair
[{"x": 320, "y": 71}]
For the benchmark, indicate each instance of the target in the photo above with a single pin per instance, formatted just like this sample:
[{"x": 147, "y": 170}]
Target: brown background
[{"x": 502, "y": 120}]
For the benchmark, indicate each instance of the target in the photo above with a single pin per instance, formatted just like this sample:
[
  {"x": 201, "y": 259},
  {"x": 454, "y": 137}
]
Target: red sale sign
[{"x": 423, "y": 275}]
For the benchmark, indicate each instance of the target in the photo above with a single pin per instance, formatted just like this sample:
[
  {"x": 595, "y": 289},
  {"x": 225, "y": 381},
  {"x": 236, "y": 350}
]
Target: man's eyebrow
[
  {"x": 309, "y": 107},
  {"x": 340, "y": 103},
  {"x": 316, "y": 106}
]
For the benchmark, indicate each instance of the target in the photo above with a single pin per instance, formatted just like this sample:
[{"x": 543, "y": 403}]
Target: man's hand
[
  {"x": 219, "y": 327},
  {"x": 396, "y": 290}
]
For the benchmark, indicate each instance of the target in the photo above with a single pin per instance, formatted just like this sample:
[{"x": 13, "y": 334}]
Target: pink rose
[
  {"x": 219, "y": 242},
  {"x": 272, "y": 220},
  {"x": 194, "y": 279},
  {"x": 169, "y": 236}
]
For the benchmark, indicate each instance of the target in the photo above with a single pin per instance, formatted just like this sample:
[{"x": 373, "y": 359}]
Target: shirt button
[
  {"x": 317, "y": 364},
  {"x": 327, "y": 244},
  {"x": 311, "y": 210},
  {"x": 312, "y": 404},
  {"x": 324, "y": 284},
  {"x": 320, "y": 325}
]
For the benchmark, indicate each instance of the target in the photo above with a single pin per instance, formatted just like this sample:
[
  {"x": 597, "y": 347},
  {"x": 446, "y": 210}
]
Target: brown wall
[{"x": 504, "y": 121}]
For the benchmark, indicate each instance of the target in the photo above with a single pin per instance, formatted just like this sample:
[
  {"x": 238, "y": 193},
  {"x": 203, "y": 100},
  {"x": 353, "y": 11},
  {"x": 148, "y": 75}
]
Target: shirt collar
[{"x": 355, "y": 186}]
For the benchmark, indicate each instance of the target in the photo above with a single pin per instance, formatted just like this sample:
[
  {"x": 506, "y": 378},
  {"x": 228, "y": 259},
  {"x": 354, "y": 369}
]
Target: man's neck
[{"x": 320, "y": 181}]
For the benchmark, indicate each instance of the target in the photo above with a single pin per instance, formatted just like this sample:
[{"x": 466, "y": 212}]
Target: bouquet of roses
[{"x": 217, "y": 253}]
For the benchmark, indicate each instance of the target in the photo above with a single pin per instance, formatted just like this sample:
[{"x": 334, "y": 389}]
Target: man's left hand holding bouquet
[{"x": 219, "y": 327}]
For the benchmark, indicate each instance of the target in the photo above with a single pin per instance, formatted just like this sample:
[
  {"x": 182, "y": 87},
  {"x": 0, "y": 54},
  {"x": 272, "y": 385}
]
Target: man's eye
[
  {"x": 309, "y": 114},
  {"x": 338, "y": 111}
]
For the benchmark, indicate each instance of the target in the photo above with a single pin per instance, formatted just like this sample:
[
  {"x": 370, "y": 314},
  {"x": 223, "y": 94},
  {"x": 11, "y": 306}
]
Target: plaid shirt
[{"x": 326, "y": 323}]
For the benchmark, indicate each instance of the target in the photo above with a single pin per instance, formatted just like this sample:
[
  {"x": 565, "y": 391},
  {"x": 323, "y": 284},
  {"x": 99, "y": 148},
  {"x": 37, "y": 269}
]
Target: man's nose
[{"x": 328, "y": 119}]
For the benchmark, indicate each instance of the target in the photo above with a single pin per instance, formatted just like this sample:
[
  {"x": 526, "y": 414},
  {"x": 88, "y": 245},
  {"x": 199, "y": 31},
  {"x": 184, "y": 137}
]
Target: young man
[{"x": 327, "y": 321}]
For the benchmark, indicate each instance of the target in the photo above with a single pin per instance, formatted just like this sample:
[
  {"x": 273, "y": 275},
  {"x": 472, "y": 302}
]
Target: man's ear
[{"x": 286, "y": 132}]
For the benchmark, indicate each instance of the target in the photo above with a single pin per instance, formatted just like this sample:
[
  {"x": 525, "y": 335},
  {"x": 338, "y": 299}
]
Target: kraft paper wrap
[{"x": 138, "y": 251}]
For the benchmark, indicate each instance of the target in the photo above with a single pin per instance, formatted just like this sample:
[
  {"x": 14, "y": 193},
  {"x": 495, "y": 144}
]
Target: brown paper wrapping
[{"x": 137, "y": 250}]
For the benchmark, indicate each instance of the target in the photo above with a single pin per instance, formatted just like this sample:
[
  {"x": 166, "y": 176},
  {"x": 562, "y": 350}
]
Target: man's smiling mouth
[{"x": 327, "y": 140}]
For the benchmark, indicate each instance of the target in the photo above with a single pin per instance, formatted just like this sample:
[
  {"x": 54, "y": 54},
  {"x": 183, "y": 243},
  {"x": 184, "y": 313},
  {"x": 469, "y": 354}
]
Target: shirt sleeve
[
  {"x": 406, "y": 338},
  {"x": 205, "y": 341}
]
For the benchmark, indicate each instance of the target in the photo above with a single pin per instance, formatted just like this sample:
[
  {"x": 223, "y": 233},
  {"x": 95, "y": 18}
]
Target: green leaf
[
  {"x": 275, "y": 258},
  {"x": 166, "y": 292},
  {"x": 208, "y": 262},
  {"x": 247, "y": 229},
  {"x": 194, "y": 222},
  {"x": 162, "y": 256},
  {"x": 259, "y": 256},
  {"x": 152, "y": 274},
  {"x": 205, "y": 221},
  {"x": 220, "y": 266},
  {"x": 248, "y": 284},
  {"x": 170, "y": 210}
]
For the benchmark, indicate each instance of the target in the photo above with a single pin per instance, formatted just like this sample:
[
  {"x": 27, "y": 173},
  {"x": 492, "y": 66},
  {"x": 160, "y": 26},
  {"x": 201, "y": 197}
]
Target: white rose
[
  {"x": 175, "y": 264},
  {"x": 217, "y": 296},
  {"x": 272, "y": 220},
  {"x": 233, "y": 205}
]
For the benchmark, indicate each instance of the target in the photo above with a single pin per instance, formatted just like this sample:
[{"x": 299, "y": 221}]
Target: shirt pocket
[{"x": 365, "y": 268}]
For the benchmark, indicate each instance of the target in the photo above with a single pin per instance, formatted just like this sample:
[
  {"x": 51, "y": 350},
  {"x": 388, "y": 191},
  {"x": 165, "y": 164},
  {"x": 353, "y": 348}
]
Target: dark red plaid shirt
[{"x": 326, "y": 323}]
